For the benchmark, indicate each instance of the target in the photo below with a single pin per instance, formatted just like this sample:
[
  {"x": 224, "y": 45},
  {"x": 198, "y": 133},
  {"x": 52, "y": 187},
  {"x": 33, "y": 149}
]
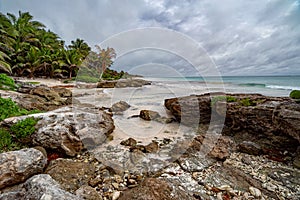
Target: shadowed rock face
[
  {"x": 123, "y": 83},
  {"x": 271, "y": 122}
]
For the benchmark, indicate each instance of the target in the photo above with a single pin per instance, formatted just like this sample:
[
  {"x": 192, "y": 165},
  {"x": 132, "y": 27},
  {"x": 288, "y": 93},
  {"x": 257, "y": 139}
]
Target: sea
[{"x": 152, "y": 97}]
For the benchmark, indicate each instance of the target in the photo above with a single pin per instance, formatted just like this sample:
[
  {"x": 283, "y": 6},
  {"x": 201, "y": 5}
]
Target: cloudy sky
[{"x": 241, "y": 37}]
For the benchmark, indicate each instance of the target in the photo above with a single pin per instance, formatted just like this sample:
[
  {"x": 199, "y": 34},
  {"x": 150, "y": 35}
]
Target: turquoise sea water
[{"x": 267, "y": 85}]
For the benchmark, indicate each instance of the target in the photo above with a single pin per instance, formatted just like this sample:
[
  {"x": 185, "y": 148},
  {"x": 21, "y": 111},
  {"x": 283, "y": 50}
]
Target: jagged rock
[
  {"x": 42, "y": 186},
  {"x": 149, "y": 115},
  {"x": 62, "y": 92},
  {"x": 69, "y": 174},
  {"x": 129, "y": 142},
  {"x": 120, "y": 106},
  {"x": 154, "y": 189},
  {"x": 122, "y": 83},
  {"x": 250, "y": 148},
  {"x": 271, "y": 122},
  {"x": 88, "y": 193},
  {"x": 152, "y": 147},
  {"x": 47, "y": 93},
  {"x": 17, "y": 166},
  {"x": 70, "y": 129}
]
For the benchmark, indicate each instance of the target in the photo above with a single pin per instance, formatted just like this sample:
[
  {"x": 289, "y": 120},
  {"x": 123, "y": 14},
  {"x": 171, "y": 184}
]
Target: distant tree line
[{"x": 28, "y": 49}]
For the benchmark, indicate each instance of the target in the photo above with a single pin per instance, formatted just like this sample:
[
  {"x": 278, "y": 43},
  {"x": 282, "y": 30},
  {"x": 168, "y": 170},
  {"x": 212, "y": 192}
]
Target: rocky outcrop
[
  {"x": 270, "y": 122},
  {"x": 154, "y": 189},
  {"x": 78, "y": 173},
  {"x": 122, "y": 83},
  {"x": 149, "y": 115},
  {"x": 17, "y": 166},
  {"x": 43, "y": 98},
  {"x": 70, "y": 129},
  {"x": 42, "y": 186}
]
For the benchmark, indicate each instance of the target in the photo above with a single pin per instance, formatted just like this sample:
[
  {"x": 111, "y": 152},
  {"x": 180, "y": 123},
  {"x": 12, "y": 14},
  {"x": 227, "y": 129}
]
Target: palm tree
[
  {"x": 106, "y": 57},
  {"x": 80, "y": 46}
]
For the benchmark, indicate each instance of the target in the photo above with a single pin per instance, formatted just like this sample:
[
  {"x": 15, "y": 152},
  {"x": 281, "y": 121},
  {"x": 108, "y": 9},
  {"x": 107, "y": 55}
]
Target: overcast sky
[{"x": 242, "y": 37}]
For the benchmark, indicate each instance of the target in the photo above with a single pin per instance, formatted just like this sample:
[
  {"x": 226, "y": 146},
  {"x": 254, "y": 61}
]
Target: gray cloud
[{"x": 242, "y": 37}]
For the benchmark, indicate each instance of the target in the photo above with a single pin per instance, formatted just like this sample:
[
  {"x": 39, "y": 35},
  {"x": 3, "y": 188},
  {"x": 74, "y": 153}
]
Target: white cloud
[{"x": 243, "y": 37}]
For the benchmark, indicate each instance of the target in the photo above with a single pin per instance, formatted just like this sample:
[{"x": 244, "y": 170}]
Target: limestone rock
[
  {"x": 17, "y": 166},
  {"x": 154, "y": 189},
  {"x": 149, "y": 115},
  {"x": 88, "y": 193},
  {"x": 129, "y": 142},
  {"x": 122, "y": 83},
  {"x": 250, "y": 148},
  {"x": 69, "y": 174},
  {"x": 42, "y": 186},
  {"x": 120, "y": 106}
]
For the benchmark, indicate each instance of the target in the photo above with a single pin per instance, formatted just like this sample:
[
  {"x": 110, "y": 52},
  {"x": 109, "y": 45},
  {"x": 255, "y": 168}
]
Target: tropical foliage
[{"x": 28, "y": 49}]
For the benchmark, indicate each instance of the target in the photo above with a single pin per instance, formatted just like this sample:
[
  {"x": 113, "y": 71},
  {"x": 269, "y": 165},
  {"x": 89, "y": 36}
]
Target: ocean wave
[
  {"x": 262, "y": 85},
  {"x": 281, "y": 87},
  {"x": 253, "y": 84}
]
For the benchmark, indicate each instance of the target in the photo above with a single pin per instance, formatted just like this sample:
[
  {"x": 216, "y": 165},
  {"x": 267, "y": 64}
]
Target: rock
[
  {"x": 120, "y": 106},
  {"x": 122, "y": 83},
  {"x": 149, "y": 115},
  {"x": 129, "y": 142},
  {"x": 154, "y": 189},
  {"x": 69, "y": 174},
  {"x": 17, "y": 166},
  {"x": 62, "y": 92},
  {"x": 271, "y": 122},
  {"x": 116, "y": 195},
  {"x": 255, "y": 192},
  {"x": 152, "y": 147},
  {"x": 46, "y": 93},
  {"x": 70, "y": 129},
  {"x": 42, "y": 186},
  {"x": 250, "y": 148},
  {"x": 88, "y": 193}
]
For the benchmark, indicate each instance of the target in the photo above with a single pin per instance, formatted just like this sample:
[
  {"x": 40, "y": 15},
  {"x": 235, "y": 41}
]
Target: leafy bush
[
  {"x": 5, "y": 140},
  {"x": 7, "y": 83},
  {"x": 24, "y": 127},
  {"x": 215, "y": 99},
  {"x": 295, "y": 94},
  {"x": 87, "y": 79},
  {"x": 9, "y": 108},
  {"x": 247, "y": 102}
]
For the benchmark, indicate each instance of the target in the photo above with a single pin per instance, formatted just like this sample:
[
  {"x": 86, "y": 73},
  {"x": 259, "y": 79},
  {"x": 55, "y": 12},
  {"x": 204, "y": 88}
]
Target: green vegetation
[
  {"x": 247, "y": 102},
  {"x": 7, "y": 83},
  {"x": 11, "y": 139},
  {"x": 9, "y": 108},
  {"x": 24, "y": 127},
  {"x": 28, "y": 49},
  {"x": 5, "y": 140},
  {"x": 295, "y": 94},
  {"x": 215, "y": 99}
]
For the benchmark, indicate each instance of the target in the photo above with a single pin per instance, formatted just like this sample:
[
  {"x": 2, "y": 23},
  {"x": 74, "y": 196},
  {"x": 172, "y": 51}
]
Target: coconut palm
[{"x": 106, "y": 57}]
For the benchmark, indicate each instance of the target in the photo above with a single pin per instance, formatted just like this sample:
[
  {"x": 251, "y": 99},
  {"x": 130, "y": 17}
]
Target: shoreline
[{"x": 170, "y": 156}]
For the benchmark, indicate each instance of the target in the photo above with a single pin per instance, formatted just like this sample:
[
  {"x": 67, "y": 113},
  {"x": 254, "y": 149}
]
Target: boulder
[
  {"x": 271, "y": 122},
  {"x": 88, "y": 193},
  {"x": 149, "y": 115},
  {"x": 71, "y": 129},
  {"x": 17, "y": 166},
  {"x": 129, "y": 142},
  {"x": 120, "y": 106},
  {"x": 46, "y": 93},
  {"x": 42, "y": 186},
  {"x": 122, "y": 83},
  {"x": 154, "y": 189},
  {"x": 62, "y": 92},
  {"x": 69, "y": 174}
]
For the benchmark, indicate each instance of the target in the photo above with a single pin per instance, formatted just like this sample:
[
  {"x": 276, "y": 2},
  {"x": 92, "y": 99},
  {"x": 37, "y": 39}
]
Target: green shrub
[
  {"x": 87, "y": 79},
  {"x": 24, "y": 127},
  {"x": 5, "y": 140},
  {"x": 7, "y": 83},
  {"x": 295, "y": 94},
  {"x": 9, "y": 108},
  {"x": 247, "y": 102},
  {"x": 215, "y": 99}
]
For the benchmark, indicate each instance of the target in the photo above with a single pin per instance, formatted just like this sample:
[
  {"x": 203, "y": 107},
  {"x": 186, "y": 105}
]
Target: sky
[{"x": 237, "y": 37}]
